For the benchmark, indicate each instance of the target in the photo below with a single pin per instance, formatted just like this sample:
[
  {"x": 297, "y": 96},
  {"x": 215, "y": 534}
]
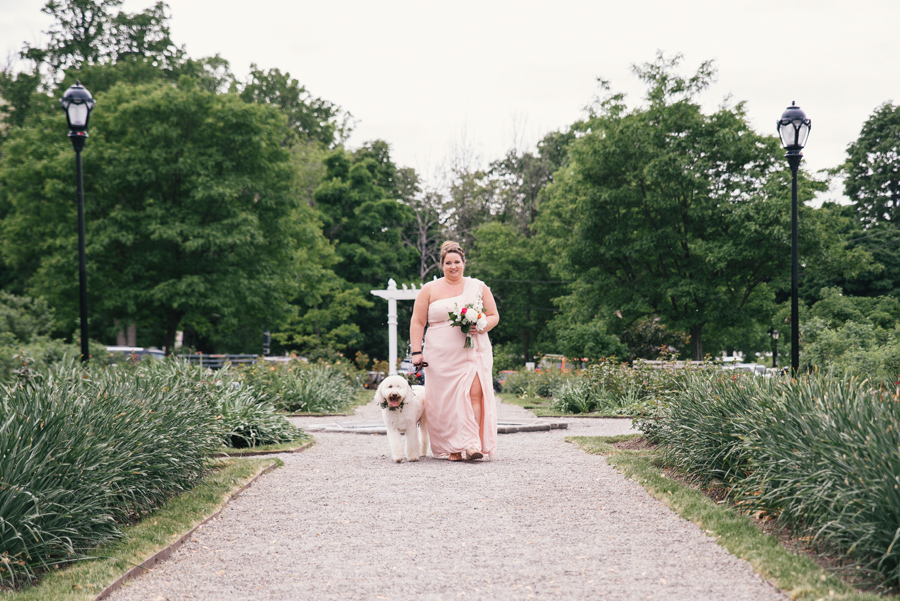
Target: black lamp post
[
  {"x": 774, "y": 334},
  {"x": 793, "y": 127},
  {"x": 78, "y": 103}
]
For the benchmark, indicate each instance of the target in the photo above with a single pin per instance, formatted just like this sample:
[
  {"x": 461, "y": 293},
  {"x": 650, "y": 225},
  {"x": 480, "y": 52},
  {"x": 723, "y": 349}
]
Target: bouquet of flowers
[{"x": 467, "y": 316}]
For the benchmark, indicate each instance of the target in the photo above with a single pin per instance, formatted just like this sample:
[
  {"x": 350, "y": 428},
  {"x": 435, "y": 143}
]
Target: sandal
[
  {"x": 472, "y": 454},
  {"x": 454, "y": 457}
]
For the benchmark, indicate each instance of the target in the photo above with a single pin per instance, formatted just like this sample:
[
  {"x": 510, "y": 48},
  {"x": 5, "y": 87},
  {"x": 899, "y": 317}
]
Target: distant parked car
[{"x": 139, "y": 353}]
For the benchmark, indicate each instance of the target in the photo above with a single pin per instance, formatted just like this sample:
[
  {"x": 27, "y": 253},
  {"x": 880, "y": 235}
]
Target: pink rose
[{"x": 463, "y": 312}]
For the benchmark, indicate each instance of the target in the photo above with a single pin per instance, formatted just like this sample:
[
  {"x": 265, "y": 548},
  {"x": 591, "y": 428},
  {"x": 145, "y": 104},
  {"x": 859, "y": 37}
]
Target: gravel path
[{"x": 545, "y": 520}]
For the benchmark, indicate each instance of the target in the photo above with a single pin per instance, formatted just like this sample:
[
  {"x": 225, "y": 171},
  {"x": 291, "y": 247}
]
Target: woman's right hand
[{"x": 417, "y": 360}]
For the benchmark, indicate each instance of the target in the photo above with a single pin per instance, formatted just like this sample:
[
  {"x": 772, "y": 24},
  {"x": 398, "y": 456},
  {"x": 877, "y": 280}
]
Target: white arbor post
[{"x": 392, "y": 294}]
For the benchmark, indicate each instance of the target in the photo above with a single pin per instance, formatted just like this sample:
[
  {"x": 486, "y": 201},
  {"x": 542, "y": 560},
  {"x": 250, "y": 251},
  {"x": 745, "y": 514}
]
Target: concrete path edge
[
  {"x": 252, "y": 453},
  {"x": 167, "y": 552}
]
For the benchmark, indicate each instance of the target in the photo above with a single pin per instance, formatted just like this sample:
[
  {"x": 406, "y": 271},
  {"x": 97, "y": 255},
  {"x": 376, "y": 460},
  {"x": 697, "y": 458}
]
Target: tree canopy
[
  {"x": 665, "y": 210},
  {"x": 872, "y": 169},
  {"x": 184, "y": 225},
  {"x": 224, "y": 206}
]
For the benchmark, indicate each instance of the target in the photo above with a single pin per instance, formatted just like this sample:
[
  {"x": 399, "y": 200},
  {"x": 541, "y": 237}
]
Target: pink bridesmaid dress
[{"x": 448, "y": 380}]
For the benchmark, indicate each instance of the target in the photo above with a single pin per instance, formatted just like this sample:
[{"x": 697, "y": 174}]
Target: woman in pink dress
[{"x": 459, "y": 394}]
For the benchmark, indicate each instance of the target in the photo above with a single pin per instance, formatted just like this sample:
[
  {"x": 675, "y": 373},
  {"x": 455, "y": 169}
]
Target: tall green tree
[
  {"x": 87, "y": 32},
  {"x": 193, "y": 218},
  {"x": 520, "y": 178},
  {"x": 93, "y": 41},
  {"x": 667, "y": 211},
  {"x": 364, "y": 217},
  {"x": 519, "y": 276},
  {"x": 872, "y": 182},
  {"x": 872, "y": 168},
  {"x": 308, "y": 117},
  {"x": 362, "y": 220}
]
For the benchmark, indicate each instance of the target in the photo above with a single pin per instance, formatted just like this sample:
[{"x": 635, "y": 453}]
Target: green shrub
[
  {"x": 699, "y": 423},
  {"x": 248, "y": 421},
  {"x": 246, "y": 414},
  {"x": 616, "y": 388},
  {"x": 852, "y": 349},
  {"x": 505, "y": 358},
  {"x": 575, "y": 396},
  {"x": 84, "y": 449},
  {"x": 20, "y": 361},
  {"x": 298, "y": 387},
  {"x": 536, "y": 384}
]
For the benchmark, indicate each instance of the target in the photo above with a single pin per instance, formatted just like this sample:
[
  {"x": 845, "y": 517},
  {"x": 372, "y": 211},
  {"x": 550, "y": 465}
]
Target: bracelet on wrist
[{"x": 415, "y": 353}]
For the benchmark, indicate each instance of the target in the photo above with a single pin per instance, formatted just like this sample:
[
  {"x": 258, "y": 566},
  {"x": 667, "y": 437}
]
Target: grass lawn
[
  {"x": 86, "y": 579},
  {"x": 797, "y": 575},
  {"x": 363, "y": 397}
]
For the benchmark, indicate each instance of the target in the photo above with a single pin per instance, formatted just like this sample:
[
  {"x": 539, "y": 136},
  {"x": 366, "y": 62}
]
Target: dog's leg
[
  {"x": 424, "y": 439},
  {"x": 396, "y": 444},
  {"x": 412, "y": 444}
]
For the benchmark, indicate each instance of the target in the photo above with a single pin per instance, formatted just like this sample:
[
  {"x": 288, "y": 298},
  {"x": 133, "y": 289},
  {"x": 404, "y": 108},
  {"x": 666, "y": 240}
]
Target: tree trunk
[
  {"x": 172, "y": 320},
  {"x": 527, "y": 344},
  {"x": 697, "y": 342}
]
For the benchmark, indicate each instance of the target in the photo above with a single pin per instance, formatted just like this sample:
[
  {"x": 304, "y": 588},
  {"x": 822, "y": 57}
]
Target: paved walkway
[{"x": 545, "y": 520}]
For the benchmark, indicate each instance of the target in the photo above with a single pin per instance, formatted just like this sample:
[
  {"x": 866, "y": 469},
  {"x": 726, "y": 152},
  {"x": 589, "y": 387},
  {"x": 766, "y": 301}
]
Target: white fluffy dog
[{"x": 403, "y": 409}]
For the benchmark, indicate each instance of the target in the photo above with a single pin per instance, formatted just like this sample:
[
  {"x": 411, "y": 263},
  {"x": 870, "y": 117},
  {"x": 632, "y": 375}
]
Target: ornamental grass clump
[
  {"x": 296, "y": 387},
  {"x": 825, "y": 458},
  {"x": 700, "y": 422},
  {"x": 246, "y": 416},
  {"x": 819, "y": 452},
  {"x": 249, "y": 421},
  {"x": 81, "y": 457}
]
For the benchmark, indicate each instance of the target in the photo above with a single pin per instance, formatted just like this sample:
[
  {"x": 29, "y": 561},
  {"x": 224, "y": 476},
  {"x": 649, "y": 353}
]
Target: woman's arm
[
  {"x": 490, "y": 310},
  {"x": 418, "y": 321}
]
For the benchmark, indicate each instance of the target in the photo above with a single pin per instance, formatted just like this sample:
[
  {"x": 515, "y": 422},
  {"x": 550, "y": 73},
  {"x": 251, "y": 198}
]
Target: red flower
[{"x": 463, "y": 312}]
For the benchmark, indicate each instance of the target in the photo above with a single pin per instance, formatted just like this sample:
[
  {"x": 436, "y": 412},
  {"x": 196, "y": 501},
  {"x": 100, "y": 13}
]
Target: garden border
[
  {"x": 164, "y": 554},
  {"x": 794, "y": 573},
  {"x": 237, "y": 454}
]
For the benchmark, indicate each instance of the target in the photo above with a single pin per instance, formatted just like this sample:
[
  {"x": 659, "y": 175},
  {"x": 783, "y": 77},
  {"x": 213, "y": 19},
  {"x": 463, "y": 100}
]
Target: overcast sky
[{"x": 429, "y": 77}]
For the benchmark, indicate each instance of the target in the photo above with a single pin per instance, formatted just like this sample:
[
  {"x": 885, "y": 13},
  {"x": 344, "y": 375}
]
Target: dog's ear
[{"x": 378, "y": 397}]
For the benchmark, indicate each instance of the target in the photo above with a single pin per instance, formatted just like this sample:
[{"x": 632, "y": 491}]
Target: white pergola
[{"x": 392, "y": 294}]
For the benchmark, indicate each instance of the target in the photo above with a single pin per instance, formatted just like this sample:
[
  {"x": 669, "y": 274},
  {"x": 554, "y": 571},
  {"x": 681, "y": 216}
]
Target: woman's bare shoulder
[{"x": 426, "y": 290}]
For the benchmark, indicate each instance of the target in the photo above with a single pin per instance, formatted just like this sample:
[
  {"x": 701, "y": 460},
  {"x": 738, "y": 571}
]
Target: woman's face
[{"x": 453, "y": 266}]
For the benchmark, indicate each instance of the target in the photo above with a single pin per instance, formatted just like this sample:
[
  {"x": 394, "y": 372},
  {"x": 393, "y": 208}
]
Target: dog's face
[{"x": 394, "y": 390}]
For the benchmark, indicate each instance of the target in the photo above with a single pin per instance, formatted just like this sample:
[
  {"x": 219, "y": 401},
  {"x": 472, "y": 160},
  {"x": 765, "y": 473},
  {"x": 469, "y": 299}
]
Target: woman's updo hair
[{"x": 452, "y": 247}]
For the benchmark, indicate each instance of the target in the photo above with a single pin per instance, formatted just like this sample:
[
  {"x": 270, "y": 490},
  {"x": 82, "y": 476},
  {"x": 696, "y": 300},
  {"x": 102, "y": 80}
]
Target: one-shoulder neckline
[{"x": 466, "y": 281}]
